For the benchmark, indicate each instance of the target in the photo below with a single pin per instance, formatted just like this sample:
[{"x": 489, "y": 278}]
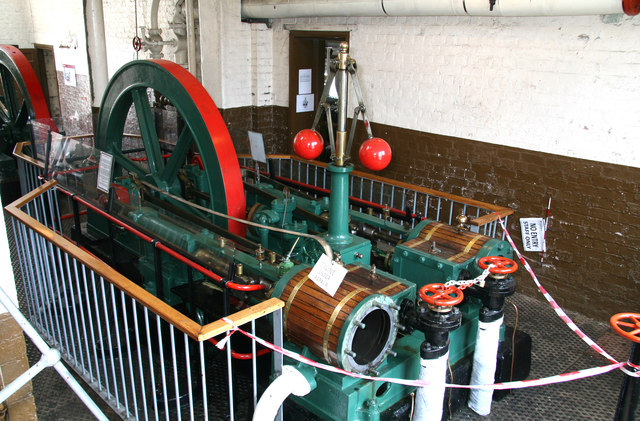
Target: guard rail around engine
[
  {"x": 143, "y": 357},
  {"x": 407, "y": 203}
]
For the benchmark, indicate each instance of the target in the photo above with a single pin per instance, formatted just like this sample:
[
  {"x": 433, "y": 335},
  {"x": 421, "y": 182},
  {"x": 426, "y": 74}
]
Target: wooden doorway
[
  {"x": 309, "y": 51},
  {"x": 42, "y": 60}
]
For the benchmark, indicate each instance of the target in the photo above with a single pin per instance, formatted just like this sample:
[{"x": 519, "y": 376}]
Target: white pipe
[
  {"x": 191, "y": 37},
  {"x": 484, "y": 365},
  {"x": 97, "y": 49},
  {"x": 502, "y": 7},
  {"x": 155, "y": 4},
  {"x": 276, "y": 9},
  {"x": 430, "y": 398},
  {"x": 154, "y": 42},
  {"x": 290, "y": 381}
]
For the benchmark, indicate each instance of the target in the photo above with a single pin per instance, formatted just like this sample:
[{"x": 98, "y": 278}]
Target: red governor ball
[
  {"x": 375, "y": 154},
  {"x": 308, "y": 144}
]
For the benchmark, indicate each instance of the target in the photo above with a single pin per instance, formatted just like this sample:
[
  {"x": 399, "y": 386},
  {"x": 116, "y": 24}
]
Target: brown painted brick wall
[
  {"x": 271, "y": 121},
  {"x": 592, "y": 264}
]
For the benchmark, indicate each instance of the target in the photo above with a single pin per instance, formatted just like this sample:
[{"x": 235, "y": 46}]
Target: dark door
[{"x": 308, "y": 52}]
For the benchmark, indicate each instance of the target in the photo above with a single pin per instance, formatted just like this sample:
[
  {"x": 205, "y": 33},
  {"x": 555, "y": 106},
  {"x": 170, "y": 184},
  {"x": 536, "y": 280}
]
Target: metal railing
[
  {"x": 143, "y": 357},
  {"x": 407, "y": 203}
]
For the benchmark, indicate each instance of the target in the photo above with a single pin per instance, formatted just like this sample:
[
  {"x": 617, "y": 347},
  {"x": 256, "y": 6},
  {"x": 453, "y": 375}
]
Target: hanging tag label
[{"x": 327, "y": 274}]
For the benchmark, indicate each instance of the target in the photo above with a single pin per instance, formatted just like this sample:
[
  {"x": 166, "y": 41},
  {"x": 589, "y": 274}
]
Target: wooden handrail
[
  {"x": 17, "y": 152},
  {"x": 166, "y": 312},
  {"x": 498, "y": 211}
]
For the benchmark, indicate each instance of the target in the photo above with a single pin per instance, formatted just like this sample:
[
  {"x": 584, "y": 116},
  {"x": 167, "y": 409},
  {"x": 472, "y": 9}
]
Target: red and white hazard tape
[
  {"x": 628, "y": 368},
  {"x": 566, "y": 319}
]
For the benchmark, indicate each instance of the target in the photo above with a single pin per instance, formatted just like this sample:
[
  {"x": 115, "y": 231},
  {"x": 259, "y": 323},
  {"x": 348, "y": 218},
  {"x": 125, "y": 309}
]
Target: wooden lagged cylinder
[{"x": 354, "y": 329}]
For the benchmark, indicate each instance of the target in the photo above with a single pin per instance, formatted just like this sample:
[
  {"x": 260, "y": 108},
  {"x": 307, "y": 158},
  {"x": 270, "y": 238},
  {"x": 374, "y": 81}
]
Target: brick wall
[
  {"x": 594, "y": 233},
  {"x": 271, "y": 121},
  {"x": 563, "y": 85},
  {"x": 15, "y": 22}
]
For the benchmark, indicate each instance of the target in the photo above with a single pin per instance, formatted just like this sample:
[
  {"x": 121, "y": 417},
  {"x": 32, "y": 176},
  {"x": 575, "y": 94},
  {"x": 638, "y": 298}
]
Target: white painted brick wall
[
  {"x": 16, "y": 23},
  {"x": 564, "y": 85}
]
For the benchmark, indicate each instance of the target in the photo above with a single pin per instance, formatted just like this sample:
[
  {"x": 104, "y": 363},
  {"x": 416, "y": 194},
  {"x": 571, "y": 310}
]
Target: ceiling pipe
[{"x": 278, "y": 9}]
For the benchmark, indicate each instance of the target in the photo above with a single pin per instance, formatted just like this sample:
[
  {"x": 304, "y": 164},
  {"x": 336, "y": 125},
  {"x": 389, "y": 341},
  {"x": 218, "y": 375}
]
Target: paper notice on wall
[
  {"x": 257, "y": 147},
  {"x": 304, "y": 103},
  {"x": 533, "y": 234},
  {"x": 69, "y": 73},
  {"x": 304, "y": 81},
  {"x": 105, "y": 167},
  {"x": 327, "y": 274}
]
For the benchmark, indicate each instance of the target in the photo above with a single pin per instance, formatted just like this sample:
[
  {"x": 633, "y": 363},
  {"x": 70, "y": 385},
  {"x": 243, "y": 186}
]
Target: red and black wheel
[{"x": 21, "y": 99}]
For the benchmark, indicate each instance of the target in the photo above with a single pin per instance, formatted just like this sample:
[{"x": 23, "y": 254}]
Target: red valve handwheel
[
  {"x": 501, "y": 265},
  {"x": 441, "y": 295},
  {"x": 137, "y": 43},
  {"x": 626, "y": 325}
]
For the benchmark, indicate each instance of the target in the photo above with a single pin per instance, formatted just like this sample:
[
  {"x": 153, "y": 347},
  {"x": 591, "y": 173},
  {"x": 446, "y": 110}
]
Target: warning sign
[{"x": 533, "y": 234}]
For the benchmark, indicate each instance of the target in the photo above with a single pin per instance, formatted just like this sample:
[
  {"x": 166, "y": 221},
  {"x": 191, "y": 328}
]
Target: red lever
[
  {"x": 626, "y": 325},
  {"x": 501, "y": 265},
  {"x": 441, "y": 295}
]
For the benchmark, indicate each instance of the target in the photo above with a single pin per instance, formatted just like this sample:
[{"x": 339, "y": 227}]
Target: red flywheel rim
[
  {"x": 34, "y": 90},
  {"x": 222, "y": 143}
]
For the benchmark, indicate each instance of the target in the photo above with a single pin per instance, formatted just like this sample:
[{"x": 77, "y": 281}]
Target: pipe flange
[{"x": 370, "y": 332}]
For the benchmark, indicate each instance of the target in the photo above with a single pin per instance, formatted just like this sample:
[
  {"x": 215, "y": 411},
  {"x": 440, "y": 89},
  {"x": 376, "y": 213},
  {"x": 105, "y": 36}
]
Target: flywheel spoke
[
  {"x": 148, "y": 130},
  {"x": 178, "y": 155},
  {"x": 23, "y": 115},
  {"x": 127, "y": 164},
  {"x": 9, "y": 92},
  {"x": 4, "y": 114}
]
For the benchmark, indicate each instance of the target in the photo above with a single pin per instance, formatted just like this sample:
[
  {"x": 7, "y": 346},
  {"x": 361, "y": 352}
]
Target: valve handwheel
[
  {"x": 137, "y": 43},
  {"x": 441, "y": 295},
  {"x": 626, "y": 325},
  {"x": 501, "y": 265}
]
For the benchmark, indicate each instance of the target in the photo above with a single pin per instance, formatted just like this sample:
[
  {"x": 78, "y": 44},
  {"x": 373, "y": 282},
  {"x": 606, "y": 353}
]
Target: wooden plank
[
  {"x": 17, "y": 152},
  {"x": 21, "y": 201},
  {"x": 157, "y": 306},
  {"x": 240, "y": 318}
]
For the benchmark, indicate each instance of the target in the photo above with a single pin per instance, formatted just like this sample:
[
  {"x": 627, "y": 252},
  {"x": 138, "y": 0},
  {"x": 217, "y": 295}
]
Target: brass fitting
[{"x": 343, "y": 56}]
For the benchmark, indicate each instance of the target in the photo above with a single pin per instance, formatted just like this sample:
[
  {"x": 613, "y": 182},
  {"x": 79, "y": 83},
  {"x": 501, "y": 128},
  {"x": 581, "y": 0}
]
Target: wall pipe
[
  {"x": 277, "y": 9},
  {"x": 97, "y": 49},
  {"x": 191, "y": 37}
]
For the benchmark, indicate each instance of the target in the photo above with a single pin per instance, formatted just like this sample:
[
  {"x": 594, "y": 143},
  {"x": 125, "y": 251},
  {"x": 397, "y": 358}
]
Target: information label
[
  {"x": 105, "y": 167},
  {"x": 304, "y": 103},
  {"x": 533, "y": 234},
  {"x": 327, "y": 274},
  {"x": 257, "y": 147},
  {"x": 304, "y": 81}
]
